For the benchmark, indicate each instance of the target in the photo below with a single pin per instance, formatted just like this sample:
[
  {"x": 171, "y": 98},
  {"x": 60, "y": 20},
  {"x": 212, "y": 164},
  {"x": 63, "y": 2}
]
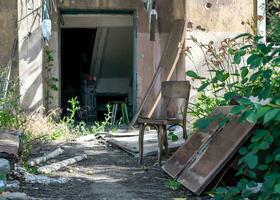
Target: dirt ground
[{"x": 108, "y": 173}]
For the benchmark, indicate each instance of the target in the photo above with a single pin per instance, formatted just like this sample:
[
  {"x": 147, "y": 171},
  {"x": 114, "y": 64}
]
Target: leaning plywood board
[
  {"x": 131, "y": 145},
  {"x": 179, "y": 160},
  {"x": 168, "y": 61},
  {"x": 209, "y": 163}
]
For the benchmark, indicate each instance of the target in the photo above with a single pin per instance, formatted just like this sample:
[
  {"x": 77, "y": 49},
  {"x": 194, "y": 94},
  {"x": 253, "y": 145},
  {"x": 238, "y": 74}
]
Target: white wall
[{"x": 30, "y": 54}]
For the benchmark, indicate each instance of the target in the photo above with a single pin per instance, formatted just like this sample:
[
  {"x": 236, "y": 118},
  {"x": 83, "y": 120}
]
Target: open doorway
[{"x": 97, "y": 67}]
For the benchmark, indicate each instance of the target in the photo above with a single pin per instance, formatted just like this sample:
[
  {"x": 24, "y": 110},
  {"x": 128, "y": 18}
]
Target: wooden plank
[
  {"x": 197, "y": 176},
  {"x": 184, "y": 155},
  {"x": 168, "y": 60}
]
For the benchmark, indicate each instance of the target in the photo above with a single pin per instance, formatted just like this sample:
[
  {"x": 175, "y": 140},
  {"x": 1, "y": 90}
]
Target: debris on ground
[
  {"x": 46, "y": 157},
  {"x": 42, "y": 179},
  {"x": 58, "y": 165},
  {"x": 86, "y": 138},
  {"x": 15, "y": 196},
  {"x": 13, "y": 185}
]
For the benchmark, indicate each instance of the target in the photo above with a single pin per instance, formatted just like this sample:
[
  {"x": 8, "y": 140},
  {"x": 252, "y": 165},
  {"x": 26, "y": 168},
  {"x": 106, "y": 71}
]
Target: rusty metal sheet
[
  {"x": 225, "y": 144},
  {"x": 180, "y": 159},
  {"x": 9, "y": 145}
]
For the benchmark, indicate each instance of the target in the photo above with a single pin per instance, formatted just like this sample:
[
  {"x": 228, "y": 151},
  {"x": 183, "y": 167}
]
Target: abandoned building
[{"x": 109, "y": 50}]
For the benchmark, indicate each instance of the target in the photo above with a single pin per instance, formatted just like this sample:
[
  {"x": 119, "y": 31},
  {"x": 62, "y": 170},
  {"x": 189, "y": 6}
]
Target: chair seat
[{"x": 168, "y": 121}]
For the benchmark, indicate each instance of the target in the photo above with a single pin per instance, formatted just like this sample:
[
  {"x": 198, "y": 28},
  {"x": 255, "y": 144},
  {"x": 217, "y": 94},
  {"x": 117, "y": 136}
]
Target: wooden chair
[{"x": 169, "y": 90}]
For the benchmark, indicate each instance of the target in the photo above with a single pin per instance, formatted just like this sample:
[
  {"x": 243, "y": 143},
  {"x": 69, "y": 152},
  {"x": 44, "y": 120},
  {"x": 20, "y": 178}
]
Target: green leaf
[
  {"x": 252, "y": 160},
  {"x": 203, "y": 123},
  {"x": 251, "y": 174},
  {"x": 244, "y": 72},
  {"x": 277, "y": 158},
  {"x": 237, "y": 109},
  {"x": 243, "y": 151},
  {"x": 268, "y": 159},
  {"x": 229, "y": 95},
  {"x": 203, "y": 86},
  {"x": 263, "y": 167},
  {"x": 247, "y": 35},
  {"x": 172, "y": 136},
  {"x": 270, "y": 115},
  {"x": 192, "y": 74},
  {"x": 244, "y": 101},
  {"x": 262, "y": 111},
  {"x": 237, "y": 58},
  {"x": 254, "y": 61},
  {"x": 252, "y": 118},
  {"x": 264, "y": 145},
  {"x": 259, "y": 135},
  {"x": 277, "y": 188}
]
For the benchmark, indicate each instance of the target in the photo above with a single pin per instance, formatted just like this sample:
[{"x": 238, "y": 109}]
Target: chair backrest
[
  {"x": 175, "y": 89},
  {"x": 172, "y": 90}
]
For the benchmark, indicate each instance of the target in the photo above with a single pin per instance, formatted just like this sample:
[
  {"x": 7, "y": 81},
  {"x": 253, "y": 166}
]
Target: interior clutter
[{"x": 96, "y": 67}]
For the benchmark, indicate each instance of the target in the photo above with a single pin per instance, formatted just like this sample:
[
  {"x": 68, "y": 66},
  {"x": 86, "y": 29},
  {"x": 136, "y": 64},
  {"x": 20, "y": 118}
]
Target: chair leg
[
  {"x": 141, "y": 142},
  {"x": 165, "y": 140},
  {"x": 185, "y": 134},
  {"x": 160, "y": 141}
]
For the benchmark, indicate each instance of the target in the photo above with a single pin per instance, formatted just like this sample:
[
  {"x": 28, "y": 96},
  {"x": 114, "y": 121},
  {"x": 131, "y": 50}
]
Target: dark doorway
[
  {"x": 76, "y": 53},
  {"x": 98, "y": 73}
]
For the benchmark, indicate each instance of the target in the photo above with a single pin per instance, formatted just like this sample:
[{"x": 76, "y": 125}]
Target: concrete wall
[
  {"x": 207, "y": 20},
  {"x": 8, "y": 24}
]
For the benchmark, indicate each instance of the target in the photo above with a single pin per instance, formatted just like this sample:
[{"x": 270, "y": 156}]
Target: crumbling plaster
[
  {"x": 215, "y": 20},
  {"x": 8, "y": 30}
]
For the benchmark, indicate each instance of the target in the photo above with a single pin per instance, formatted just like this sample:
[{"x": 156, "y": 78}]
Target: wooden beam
[{"x": 96, "y": 20}]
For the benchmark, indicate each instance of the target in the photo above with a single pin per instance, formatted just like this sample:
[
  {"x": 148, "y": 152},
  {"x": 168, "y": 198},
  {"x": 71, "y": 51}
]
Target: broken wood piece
[
  {"x": 46, "y": 157},
  {"x": 58, "y": 165},
  {"x": 186, "y": 153},
  {"x": 215, "y": 156}
]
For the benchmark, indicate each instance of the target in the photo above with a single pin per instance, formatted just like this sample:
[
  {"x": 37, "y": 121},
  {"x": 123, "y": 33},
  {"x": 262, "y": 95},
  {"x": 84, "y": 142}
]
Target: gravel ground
[{"x": 108, "y": 173}]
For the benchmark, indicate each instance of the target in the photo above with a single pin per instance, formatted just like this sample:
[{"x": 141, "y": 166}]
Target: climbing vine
[{"x": 51, "y": 82}]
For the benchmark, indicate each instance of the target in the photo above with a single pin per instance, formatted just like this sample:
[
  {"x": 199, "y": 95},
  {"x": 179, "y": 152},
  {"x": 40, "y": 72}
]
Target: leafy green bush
[{"x": 257, "y": 84}]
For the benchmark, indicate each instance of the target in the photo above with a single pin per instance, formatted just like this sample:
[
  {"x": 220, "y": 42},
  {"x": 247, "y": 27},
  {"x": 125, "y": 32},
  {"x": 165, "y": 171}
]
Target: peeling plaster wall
[
  {"x": 30, "y": 54},
  {"x": 215, "y": 20},
  {"x": 8, "y": 27}
]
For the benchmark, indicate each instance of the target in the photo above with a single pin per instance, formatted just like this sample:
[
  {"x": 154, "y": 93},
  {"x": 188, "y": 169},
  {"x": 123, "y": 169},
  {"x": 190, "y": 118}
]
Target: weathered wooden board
[
  {"x": 199, "y": 174},
  {"x": 179, "y": 160}
]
